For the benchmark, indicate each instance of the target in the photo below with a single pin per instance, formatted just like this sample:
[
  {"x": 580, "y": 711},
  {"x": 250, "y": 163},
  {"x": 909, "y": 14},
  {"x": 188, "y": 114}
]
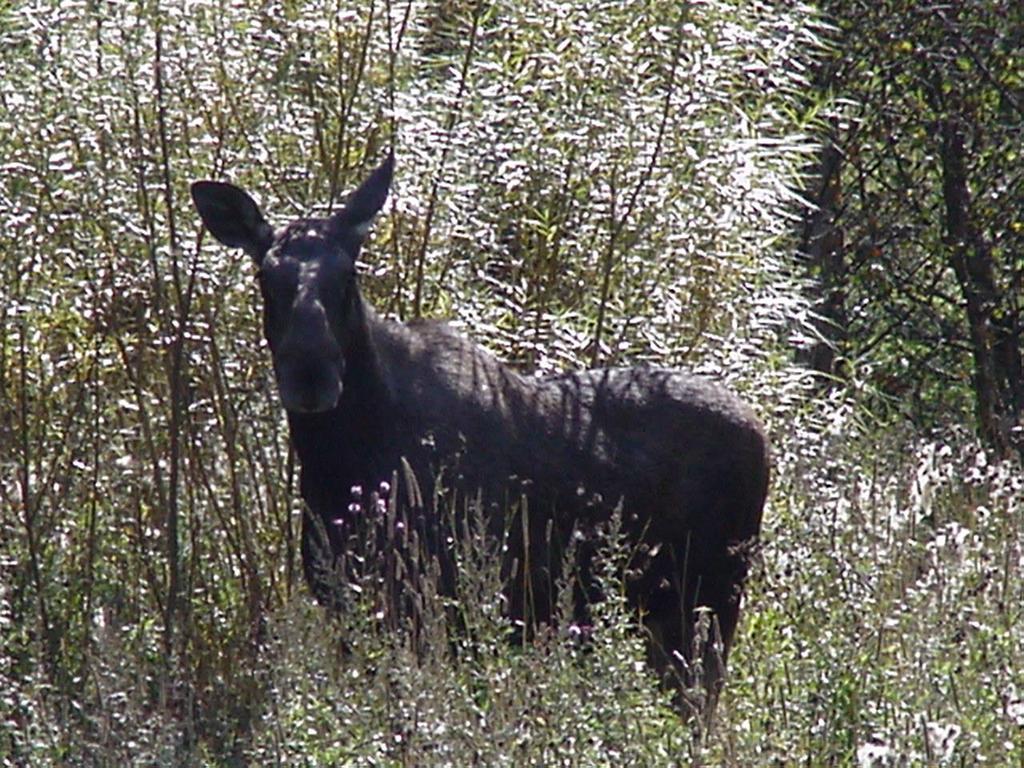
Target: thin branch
[
  {"x": 617, "y": 226},
  {"x": 453, "y": 118}
]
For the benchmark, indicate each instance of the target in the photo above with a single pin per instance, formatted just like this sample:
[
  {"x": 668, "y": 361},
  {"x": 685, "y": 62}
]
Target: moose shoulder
[{"x": 684, "y": 458}]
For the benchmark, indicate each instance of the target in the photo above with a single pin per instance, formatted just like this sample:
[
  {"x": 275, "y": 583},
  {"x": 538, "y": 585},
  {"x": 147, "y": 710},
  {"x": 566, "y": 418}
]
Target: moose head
[{"x": 307, "y": 275}]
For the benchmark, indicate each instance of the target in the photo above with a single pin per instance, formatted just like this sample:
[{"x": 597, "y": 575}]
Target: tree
[{"x": 915, "y": 239}]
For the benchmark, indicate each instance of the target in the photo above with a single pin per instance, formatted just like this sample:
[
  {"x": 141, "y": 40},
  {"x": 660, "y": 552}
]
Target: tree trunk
[
  {"x": 821, "y": 244},
  {"x": 971, "y": 258}
]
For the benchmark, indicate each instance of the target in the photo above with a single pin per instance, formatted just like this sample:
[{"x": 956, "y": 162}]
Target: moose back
[{"x": 684, "y": 460}]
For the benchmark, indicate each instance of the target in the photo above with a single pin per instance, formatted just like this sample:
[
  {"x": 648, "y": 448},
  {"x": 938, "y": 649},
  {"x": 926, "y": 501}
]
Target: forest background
[{"x": 822, "y": 205}]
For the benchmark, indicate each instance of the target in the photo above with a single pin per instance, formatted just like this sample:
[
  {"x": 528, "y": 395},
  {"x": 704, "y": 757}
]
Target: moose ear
[
  {"x": 232, "y": 217},
  {"x": 366, "y": 201}
]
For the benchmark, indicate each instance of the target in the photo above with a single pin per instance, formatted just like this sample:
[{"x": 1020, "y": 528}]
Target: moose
[{"x": 680, "y": 459}]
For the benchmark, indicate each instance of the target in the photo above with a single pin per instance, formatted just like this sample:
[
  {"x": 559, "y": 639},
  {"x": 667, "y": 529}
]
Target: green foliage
[
  {"x": 900, "y": 71},
  {"x": 364, "y": 695},
  {"x": 883, "y": 629}
]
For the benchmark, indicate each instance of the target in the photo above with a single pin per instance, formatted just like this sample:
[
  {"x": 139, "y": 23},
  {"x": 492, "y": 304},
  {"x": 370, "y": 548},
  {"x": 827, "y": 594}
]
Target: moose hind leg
[
  {"x": 691, "y": 621},
  {"x": 686, "y": 647}
]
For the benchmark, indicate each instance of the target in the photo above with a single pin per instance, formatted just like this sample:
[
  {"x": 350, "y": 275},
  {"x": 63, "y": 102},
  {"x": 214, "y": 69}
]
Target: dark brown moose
[{"x": 683, "y": 460}]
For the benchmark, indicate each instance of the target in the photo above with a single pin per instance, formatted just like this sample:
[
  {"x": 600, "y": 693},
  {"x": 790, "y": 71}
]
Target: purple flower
[{"x": 580, "y": 632}]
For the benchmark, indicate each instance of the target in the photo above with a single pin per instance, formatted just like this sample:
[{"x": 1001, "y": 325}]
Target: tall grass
[{"x": 886, "y": 624}]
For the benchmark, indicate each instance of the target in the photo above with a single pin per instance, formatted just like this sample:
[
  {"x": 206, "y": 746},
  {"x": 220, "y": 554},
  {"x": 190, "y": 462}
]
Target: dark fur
[{"x": 686, "y": 458}]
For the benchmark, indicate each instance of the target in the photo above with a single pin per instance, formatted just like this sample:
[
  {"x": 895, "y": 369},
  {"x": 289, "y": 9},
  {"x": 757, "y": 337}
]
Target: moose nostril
[{"x": 310, "y": 401}]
